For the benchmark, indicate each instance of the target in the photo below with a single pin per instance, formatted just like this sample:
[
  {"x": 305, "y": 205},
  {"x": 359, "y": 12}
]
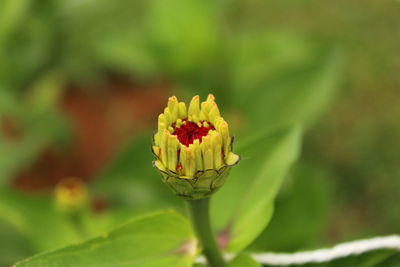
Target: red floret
[{"x": 190, "y": 131}]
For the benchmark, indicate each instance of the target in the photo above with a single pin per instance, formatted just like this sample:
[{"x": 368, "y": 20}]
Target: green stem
[
  {"x": 78, "y": 223},
  {"x": 199, "y": 215}
]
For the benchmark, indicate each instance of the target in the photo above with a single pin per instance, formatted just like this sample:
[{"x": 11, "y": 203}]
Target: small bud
[
  {"x": 193, "y": 148},
  {"x": 71, "y": 195}
]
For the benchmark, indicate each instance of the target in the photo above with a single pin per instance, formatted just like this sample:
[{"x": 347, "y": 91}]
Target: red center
[{"x": 190, "y": 131}]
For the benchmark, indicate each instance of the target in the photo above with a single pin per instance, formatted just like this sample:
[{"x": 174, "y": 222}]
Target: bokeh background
[{"x": 82, "y": 83}]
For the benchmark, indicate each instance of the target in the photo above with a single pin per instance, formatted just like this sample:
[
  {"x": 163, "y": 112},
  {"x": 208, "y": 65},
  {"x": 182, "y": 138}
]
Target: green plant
[
  {"x": 272, "y": 84},
  {"x": 167, "y": 238}
]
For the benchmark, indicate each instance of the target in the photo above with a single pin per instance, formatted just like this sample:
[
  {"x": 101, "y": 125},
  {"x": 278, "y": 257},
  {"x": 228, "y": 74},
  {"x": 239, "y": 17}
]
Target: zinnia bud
[
  {"x": 71, "y": 195},
  {"x": 193, "y": 147}
]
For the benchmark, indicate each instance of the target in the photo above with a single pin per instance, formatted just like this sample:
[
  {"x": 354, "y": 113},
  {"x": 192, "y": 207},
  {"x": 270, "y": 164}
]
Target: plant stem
[
  {"x": 199, "y": 215},
  {"x": 78, "y": 223}
]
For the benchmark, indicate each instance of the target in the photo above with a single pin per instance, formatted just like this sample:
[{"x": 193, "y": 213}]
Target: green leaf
[
  {"x": 368, "y": 259},
  {"x": 258, "y": 57},
  {"x": 244, "y": 206},
  {"x": 282, "y": 79},
  {"x": 12, "y": 13},
  {"x": 123, "y": 49},
  {"x": 306, "y": 199},
  {"x": 243, "y": 260},
  {"x": 160, "y": 239},
  {"x": 390, "y": 260},
  {"x": 36, "y": 219},
  {"x": 185, "y": 40},
  {"x": 25, "y": 41},
  {"x": 13, "y": 245}
]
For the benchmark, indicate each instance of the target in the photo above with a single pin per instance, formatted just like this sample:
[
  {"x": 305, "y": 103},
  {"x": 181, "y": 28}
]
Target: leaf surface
[
  {"x": 244, "y": 206},
  {"x": 243, "y": 260},
  {"x": 160, "y": 239},
  {"x": 282, "y": 79}
]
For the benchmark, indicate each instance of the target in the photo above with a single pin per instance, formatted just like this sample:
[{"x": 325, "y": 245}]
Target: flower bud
[
  {"x": 193, "y": 148},
  {"x": 71, "y": 195}
]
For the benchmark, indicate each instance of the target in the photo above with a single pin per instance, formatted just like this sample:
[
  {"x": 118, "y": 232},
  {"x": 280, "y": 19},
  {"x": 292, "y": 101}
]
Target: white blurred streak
[{"x": 324, "y": 255}]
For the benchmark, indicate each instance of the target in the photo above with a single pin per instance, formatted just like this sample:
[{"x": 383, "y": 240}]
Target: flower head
[
  {"x": 71, "y": 195},
  {"x": 193, "y": 147}
]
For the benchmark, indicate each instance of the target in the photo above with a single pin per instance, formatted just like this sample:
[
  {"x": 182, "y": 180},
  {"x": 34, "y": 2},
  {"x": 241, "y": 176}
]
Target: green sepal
[{"x": 202, "y": 185}]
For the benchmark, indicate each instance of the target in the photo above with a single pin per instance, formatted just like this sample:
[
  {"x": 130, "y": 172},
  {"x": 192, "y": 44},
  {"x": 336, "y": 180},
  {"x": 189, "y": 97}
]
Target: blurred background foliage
[{"x": 82, "y": 81}]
